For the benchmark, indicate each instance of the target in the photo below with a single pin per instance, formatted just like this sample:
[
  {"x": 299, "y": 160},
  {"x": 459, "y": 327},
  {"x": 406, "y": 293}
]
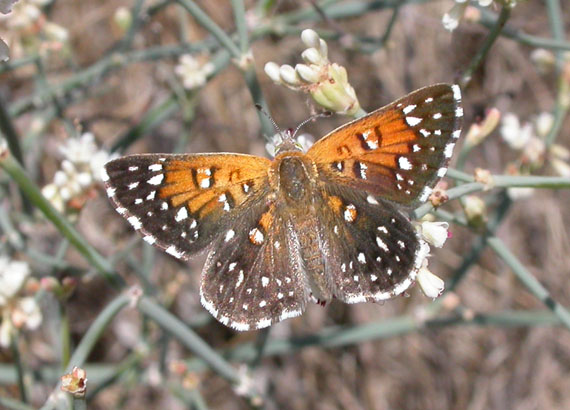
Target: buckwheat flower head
[
  {"x": 515, "y": 134},
  {"x": 192, "y": 73},
  {"x": 80, "y": 170},
  {"x": 435, "y": 233},
  {"x": 431, "y": 285},
  {"x": 326, "y": 82}
]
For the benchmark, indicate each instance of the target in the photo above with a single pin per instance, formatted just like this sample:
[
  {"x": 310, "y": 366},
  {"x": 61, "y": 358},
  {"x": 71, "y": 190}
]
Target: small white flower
[
  {"x": 452, "y": 18},
  {"x": 13, "y": 274},
  {"x": 435, "y": 233},
  {"x": 513, "y": 133},
  {"x": 543, "y": 123},
  {"x": 431, "y": 285},
  {"x": 192, "y": 73},
  {"x": 27, "y": 314}
]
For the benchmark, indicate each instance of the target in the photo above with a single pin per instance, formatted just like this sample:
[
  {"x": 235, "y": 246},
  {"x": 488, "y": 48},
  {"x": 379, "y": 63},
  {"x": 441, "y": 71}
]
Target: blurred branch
[
  {"x": 489, "y": 41},
  {"x": 531, "y": 283},
  {"x": 489, "y": 20},
  {"x": 205, "y": 21}
]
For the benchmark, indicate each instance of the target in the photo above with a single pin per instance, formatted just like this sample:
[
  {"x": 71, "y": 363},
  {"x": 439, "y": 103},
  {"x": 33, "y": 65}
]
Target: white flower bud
[
  {"x": 431, "y": 285},
  {"x": 307, "y": 73},
  {"x": 312, "y": 56},
  {"x": 310, "y": 38},
  {"x": 272, "y": 71},
  {"x": 435, "y": 233},
  {"x": 289, "y": 75}
]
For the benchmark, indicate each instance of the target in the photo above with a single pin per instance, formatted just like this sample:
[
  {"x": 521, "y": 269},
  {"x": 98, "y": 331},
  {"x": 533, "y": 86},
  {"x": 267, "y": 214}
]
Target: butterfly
[{"x": 328, "y": 223}]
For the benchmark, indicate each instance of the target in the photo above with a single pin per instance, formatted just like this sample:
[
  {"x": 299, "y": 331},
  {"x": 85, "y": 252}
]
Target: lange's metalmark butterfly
[{"x": 306, "y": 226}]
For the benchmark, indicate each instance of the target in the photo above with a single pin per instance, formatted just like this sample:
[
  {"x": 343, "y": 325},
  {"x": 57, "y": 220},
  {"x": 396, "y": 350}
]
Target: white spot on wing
[
  {"x": 133, "y": 185},
  {"x": 149, "y": 239},
  {"x": 104, "y": 176},
  {"x": 437, "y": 116},
  {"x": 361, "y": 258},
  {"x": 264, "y": 281},
  {"x": 155, "y": 180},
  {"x": 111, "y": 192},
  {"x": 448, "y": 152},
  {"x": 371, "y": 200},
  {"x": 456, "y": 92},
  {"x": 426, "y": 192},
  {"x": 135, "y": 222},
  {"x": 150, "y": 196},
  {"x": 181, "y": 214},
  {"x": 456, "y": 134},
  {"x": 412, "y": 121},
  {"x": 240, "y": 281},
  {"x": 459, "y": 112},
  {"x": 409, "y": 109},
  {"x": 381, "y": 244},
  {"x": 441, "y": 172},
  {"x": 425, "y": 132},
  {"x": 155, "y": 167},
  {"x": 428, "y": 100},
  {"x": 404, "y": 163},
  {"x": 171, "y": 250},
  {"x": 229, "y": 235},
  {"x": 205, "y": 183}
]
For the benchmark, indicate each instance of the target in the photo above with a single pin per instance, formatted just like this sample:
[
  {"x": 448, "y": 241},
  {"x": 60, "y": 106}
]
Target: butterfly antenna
[
  {"x": 262, "y": 110},
  {"x": 311, "y": 118}
]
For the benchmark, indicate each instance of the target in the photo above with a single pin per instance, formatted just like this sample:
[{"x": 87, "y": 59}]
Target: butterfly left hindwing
[{"x": 254, "y": 275}]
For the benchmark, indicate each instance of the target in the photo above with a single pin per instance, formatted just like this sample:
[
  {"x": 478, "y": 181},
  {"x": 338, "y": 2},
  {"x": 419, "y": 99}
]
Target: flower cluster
[
  {"x": 192, "y": 73},
  {"x": 528, "y": 139},
  {"x": 18, "y": 311},
  {"x": 75, "y": 383},
  {"x": 326, "y": 82},
  {"x": 434, "y": 233},
  {"x": 80, "y": 170},
  {"x": 28, "y": 30}
]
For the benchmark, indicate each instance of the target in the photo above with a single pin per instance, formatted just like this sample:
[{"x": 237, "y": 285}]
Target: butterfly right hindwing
[{"x": 374, "y": 251}]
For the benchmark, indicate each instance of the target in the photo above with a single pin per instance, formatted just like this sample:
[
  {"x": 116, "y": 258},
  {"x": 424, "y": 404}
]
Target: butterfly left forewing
[
  {"x": 181, "y": 203},
  {"x": 398, "y": 151}
]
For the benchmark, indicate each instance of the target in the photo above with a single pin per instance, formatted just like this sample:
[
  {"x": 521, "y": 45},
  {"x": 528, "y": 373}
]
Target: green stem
[
  {"x": 204, "y": 20},
  {"x": 188, "y": 338},
  {"x": 489, "y": 41},
  {"x": 531, "y": 283},
  {"x": 241, "y": 25},
  {"x": 19, "y": 367}
]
